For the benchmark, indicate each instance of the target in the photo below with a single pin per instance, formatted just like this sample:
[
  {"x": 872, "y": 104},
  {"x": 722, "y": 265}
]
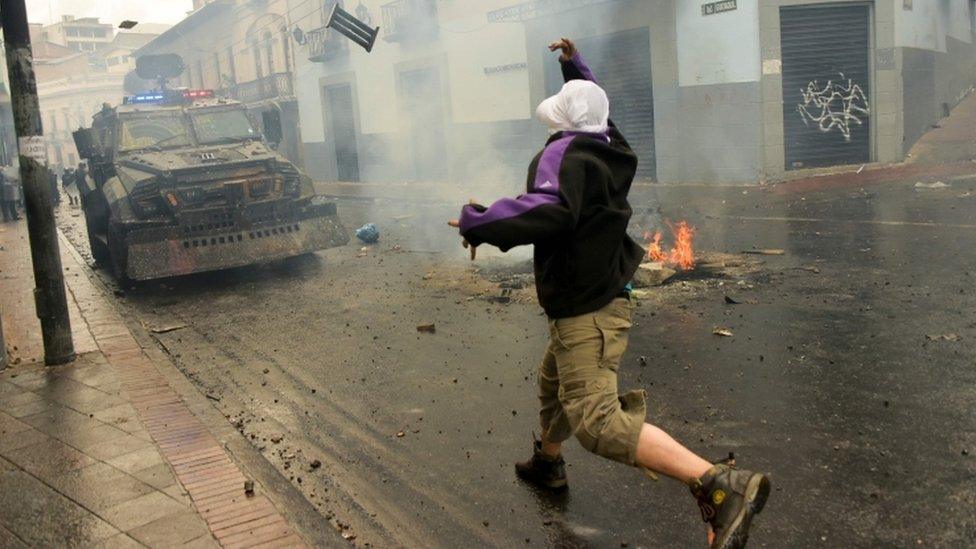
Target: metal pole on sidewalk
[
  {"x": 49, "y": 293},
  {"x": 3, "y": 346}
]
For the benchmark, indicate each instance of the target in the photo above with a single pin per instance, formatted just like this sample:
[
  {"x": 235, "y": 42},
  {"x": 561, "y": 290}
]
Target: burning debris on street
[{"x": 682, "y": 253}]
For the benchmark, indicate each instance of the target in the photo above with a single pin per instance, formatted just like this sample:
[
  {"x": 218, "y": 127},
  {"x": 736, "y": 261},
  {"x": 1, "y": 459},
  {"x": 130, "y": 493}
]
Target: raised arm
[{"x": 575, "y": 68}]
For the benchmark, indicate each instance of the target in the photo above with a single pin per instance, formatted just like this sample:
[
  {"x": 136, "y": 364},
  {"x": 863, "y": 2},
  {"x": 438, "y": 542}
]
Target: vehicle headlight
[
  {"x": 293, "y": 186},
  {"x": 146, "y": 200},
  {"x": 149, "y": 207},
  {"x": 292, "y": 179}
]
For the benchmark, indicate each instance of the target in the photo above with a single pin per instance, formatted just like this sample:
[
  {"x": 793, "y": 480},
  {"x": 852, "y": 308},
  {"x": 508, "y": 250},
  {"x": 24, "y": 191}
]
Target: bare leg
[{"x": 657, "y": 451}]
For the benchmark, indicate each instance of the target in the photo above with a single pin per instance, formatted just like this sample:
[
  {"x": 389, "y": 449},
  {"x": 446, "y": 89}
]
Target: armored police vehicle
[{"x": 180, "y": 181}]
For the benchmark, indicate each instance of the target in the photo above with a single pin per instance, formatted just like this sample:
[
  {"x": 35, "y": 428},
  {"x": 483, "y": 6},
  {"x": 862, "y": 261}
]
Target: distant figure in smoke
[
  {"x": 9, "y": 195},
  {"x": 575, "y": 212},
  {"x": 52, "y": 181},
  {"x": 68, "y": 184},
  {"x": 81, "y": 180}
]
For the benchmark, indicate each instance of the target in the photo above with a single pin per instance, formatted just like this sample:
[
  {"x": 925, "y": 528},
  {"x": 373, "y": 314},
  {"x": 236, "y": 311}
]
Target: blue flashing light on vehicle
[{"x": 167, "y": 97}]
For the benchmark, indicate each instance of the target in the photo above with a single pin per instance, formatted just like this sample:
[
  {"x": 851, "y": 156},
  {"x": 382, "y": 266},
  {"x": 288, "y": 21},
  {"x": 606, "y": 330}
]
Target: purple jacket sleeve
[
  {"x": 577, "y": 69},
  {"x": 548, "y": 209}
]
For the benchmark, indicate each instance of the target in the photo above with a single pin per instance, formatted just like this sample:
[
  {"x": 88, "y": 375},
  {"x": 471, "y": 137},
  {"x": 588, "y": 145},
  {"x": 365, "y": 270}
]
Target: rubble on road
[
  {"x": 943, "y": 337},
  {"x": 164, "y": 329},
  {"x": 652, "y": 273},
  {"x": 765, "y": 251},
  {"x": 933, "y": 185}
]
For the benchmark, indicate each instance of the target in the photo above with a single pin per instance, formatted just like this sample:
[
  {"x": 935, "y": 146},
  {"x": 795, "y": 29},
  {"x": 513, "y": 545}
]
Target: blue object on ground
[{"x": 368, "y": 233}]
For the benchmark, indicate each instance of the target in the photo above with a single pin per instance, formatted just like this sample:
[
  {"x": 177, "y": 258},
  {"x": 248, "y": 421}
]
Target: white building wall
[
  {"x": 722, "y": 48},
  {"x": 921, "y": 27},
  {"x": 476, "y": 95},
  {"x": 959, "y": 20},
  {"x": 470, "y": 45},
  {"x": 306, "y": 92}
]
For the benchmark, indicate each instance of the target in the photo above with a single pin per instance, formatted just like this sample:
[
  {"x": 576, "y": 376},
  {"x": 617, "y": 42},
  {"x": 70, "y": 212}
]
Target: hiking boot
[
  {"x": 728, "y": 499},
  {"x": 542, "y": 470}
]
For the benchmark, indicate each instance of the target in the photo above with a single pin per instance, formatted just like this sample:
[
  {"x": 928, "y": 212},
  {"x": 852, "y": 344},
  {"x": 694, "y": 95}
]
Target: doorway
[{"x": 343, "y": 131}]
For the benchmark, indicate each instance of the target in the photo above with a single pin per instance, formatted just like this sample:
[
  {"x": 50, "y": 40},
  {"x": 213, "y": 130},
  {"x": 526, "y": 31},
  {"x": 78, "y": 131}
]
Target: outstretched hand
[
  {"x": 567, "y": 47},
  {"x": 456, "y": 223}
]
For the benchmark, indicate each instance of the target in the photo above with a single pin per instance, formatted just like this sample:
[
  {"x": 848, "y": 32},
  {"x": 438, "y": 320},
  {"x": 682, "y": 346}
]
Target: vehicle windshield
[
  {"x": 164, "y": 130},
  {"x": 223, "y": 125}
]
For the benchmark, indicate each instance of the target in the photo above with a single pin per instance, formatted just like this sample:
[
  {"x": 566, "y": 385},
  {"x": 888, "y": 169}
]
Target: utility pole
[{"x": 49, "y": 294}]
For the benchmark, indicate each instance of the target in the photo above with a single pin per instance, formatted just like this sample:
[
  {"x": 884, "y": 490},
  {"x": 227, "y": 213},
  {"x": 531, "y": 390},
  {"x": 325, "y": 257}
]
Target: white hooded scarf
[{"x": 580, "y": 106}]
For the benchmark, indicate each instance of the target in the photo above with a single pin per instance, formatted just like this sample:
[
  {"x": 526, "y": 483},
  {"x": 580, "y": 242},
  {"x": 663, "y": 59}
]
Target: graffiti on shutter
[{"x": 833, "y": 106}]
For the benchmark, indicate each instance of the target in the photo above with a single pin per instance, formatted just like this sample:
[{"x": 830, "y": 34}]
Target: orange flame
[{"x": 682, "y": 254}]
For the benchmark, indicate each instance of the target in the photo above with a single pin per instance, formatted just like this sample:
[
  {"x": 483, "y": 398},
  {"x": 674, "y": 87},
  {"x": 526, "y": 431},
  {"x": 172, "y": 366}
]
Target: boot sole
[
  {"x": 736, "y": 536},
  {"x": 551, "y": 485}
]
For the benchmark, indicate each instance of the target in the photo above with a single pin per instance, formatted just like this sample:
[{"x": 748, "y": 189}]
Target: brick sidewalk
[{"x": 104, "y": 452}]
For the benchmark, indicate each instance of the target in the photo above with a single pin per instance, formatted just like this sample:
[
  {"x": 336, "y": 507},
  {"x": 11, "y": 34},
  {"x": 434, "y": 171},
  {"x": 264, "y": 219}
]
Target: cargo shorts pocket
[
  {"x": 570, "y": 391},
  {"x": 614, "y": 333}
]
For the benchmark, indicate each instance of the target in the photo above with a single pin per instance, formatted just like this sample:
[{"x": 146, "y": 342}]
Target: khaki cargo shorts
[{"x": 578, "y": 384}]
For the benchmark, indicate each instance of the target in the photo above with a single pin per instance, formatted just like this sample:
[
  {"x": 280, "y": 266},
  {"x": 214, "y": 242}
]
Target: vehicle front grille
[{"x": 242, "y": 236}]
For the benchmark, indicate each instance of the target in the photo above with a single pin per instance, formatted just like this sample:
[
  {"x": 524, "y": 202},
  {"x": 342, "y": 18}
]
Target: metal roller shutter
[
  {"x": 826, "y": 85},
  {"x": 622, "y": 65}
]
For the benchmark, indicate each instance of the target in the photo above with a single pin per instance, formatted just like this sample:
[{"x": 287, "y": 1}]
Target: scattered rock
[
  {"x": 503, "y": 298},
  {"x": 651, "y": 274},
  {"x": 401, "y": 434},
  {"x": 943, "y": 337},
  {"x": 276, "y": 438},
  {"x": 166, "y": 329},
  {"x": 933, "y": 185},
  {"x": 315, "y": 464},
  {"x": 724, "y": 332},
  {"x": 427, "y": 328},
  {"x": 765, "y": 251}
]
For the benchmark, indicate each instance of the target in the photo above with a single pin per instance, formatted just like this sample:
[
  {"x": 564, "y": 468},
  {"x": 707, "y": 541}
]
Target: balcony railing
[
  {"x": 268, "y": 87},
  {"x": 410, "y": 20},
  {"x": 325, "y": 44}
]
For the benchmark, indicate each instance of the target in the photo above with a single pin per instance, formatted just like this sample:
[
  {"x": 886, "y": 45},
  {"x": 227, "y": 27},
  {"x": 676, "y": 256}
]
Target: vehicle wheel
[
  {"x": 117, "y": 259},
  {"x": 99, "y": 249}
]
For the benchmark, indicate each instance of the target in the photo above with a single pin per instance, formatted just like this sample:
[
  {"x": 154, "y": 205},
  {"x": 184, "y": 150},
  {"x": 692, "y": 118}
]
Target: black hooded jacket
[{"x": 575, "y": 212}]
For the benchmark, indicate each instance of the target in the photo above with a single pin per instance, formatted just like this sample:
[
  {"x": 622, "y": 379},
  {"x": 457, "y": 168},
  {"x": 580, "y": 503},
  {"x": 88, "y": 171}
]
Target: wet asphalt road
[{"x": 830, "y": 382}]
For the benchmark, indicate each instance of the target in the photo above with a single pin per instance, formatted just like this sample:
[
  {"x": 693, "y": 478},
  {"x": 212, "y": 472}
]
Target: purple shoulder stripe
[
  {"x": 545, "y": 188},
  {"x": 547, "y": 172},
  {"x": 505, "y": 208},
  {"x": 577, "y": 60}
]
